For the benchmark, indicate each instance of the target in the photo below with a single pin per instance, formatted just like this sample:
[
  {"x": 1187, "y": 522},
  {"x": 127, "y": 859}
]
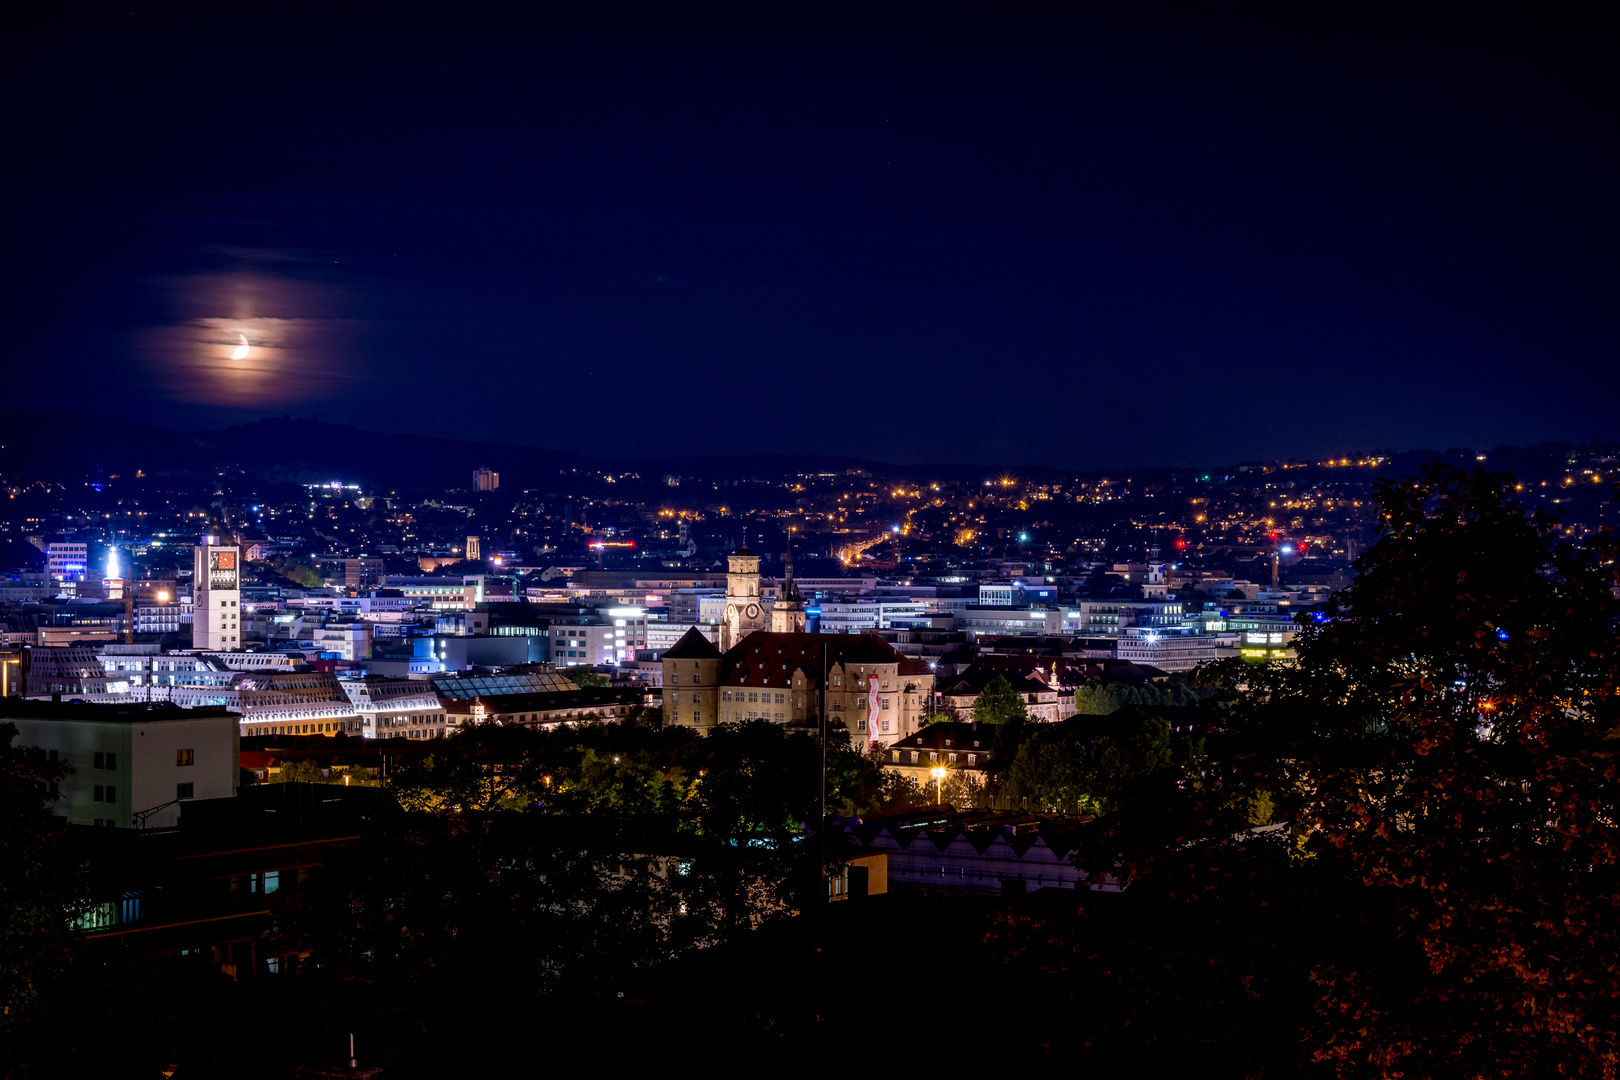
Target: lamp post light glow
[{"x": 938, "y": 773}]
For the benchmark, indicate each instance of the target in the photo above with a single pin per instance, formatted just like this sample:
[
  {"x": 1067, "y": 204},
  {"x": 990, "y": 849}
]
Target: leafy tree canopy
[
  {"x": 999, "y": 703},
  {"x": 1444, "y": 753}
]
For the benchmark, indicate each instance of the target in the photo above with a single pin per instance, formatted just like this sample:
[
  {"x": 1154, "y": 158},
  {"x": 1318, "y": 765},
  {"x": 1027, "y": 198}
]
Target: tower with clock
[{"x": 743, "y": 612}]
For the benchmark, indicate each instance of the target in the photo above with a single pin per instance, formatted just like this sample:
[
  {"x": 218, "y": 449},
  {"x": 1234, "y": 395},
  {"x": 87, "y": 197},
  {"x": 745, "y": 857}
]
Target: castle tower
[
  {"x": 743, "y": 613},
  {"x": 787, "y": 614},
  {"x": 692, "y": 682}
]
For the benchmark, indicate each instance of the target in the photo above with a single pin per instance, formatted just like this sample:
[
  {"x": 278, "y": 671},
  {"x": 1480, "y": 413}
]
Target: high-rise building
[
  {"x": 486, "y": 479},
  {"x": 216, "y": 591},
  {"x": 67, "y": 561},
  {"x": 474, "y": 549}
]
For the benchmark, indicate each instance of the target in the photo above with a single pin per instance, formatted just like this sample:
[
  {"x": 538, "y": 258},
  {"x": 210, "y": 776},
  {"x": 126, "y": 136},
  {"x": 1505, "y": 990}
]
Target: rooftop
[{"x": 120, "y": 713}]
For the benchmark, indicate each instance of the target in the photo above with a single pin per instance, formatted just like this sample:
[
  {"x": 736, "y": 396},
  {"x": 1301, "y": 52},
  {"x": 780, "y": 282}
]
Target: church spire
[
  {"x": 787, "y": 614},
  {"x": 789, "y": 592}
]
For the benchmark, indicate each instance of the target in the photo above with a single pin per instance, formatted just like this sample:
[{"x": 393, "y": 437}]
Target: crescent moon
[{"x": 241, "y": 351}]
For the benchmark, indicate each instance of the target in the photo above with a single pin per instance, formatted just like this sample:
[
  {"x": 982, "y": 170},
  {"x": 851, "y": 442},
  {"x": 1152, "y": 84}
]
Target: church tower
[
  {"x": 787, "y": 614},
  {"x": 1155, "y": 587},
  {"x": 743, "y": 613}
]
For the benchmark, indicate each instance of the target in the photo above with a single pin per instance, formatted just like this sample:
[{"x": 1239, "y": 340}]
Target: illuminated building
[
  {"x": 67, "y": 561},
  {"x": 485, "y": 480},
  {"x": 473, "y": 550},
  {"x": 132, "y": 764},
  {"x": 1173, "y": 648},
  {"x": 787, "y": 612},
  {"x": 112, "y": 583},
  {"x": 743, "y": 613},
  {"x": 547, "y": 707},
  {"x": 396, "y": 708},
  {"x": 872, "y": 691},
  {"x": 216, "y": 596},
  {"x": 69, "y": 669},
  {"x": 362, "y": 573}
]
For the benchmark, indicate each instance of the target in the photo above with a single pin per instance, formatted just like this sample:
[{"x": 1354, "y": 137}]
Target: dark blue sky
[{"x": 1135, "y": 239}]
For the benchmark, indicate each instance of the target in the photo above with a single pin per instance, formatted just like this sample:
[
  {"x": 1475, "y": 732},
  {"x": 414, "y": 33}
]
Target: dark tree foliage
[
  {"x": 41, "y": 886},
  {"x": 1100, "y": 697},
  {"x": 1444, "y": 753},
  {"x": 999, "y": 703},
  {"x": 1082, "y": 766}
]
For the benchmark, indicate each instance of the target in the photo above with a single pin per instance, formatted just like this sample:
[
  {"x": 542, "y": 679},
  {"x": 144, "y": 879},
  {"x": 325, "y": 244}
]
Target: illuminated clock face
[
  {"x": 731, "y": 612},
  {"x": 222, "y": 569},
  {"x": 753, "y": 611}
]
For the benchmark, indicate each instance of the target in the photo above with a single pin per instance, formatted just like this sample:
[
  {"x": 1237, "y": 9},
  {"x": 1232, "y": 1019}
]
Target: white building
[
  {"x": 662, "y": 636},
  {"x": 216, "y": 591},
  {"x": 396, "y": 708},
  {"x": 1092, "y": 618},
  {"x": 993, "y": 622},
  {"x": 857, "y": 616},
  {"x": 132, "y": 765},
  {"x": 1173, "y": 648},
  {"x": 67, "y": 561},
  {"x": 1001, "y": 594}
]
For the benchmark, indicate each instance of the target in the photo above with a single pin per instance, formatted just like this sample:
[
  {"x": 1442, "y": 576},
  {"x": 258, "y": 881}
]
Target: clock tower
[{"x": 743, "y": 613}]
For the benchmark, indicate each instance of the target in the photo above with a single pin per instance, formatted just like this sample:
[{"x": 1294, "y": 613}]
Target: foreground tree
[
  {"x": 1445, "y": 750},
  {"x": 41, "y": 880}
]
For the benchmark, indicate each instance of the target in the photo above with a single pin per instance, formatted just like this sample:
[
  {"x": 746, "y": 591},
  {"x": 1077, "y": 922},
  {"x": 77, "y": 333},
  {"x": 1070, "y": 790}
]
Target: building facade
[
  {"x": 744, "y": 613},
  {"x": 216, "y": 596},
  {"x": 132, "y": 765},
  {"x": 872, "y": 691}
]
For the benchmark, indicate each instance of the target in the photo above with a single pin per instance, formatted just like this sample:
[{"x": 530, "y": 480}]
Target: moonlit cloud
[{"x": 289, "y": 359}]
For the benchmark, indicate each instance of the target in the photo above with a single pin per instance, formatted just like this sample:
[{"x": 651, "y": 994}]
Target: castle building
[{"x": 875, "y": 694}]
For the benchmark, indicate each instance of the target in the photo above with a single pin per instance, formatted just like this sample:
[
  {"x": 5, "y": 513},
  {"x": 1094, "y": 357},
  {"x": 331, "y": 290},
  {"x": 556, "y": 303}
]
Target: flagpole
[{"x": 821, "y": 825}]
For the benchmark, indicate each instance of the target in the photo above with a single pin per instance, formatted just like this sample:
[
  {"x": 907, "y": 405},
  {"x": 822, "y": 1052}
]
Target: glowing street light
[{"x": 938, "y": 773}]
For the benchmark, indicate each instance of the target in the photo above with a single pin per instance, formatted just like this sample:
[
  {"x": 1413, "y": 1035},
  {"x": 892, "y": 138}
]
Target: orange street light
[{"x": 938, "y": 773}]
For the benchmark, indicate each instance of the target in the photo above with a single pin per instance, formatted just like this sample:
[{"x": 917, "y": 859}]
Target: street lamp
[{"x": 938, "y": 773}]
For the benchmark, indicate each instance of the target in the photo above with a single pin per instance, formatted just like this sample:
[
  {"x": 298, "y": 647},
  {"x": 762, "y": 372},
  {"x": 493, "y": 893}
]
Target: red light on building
[{"x": 1181, "y": 545}]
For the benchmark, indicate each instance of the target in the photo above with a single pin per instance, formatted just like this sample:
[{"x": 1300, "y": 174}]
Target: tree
[
  {"x": 42, "y": 888},
  {"x": 1444, "y": 753},
  {"x": 304, "y": 574},
  {"x": 999, "y": 703},
  {"x": 1085, "y": 766}
]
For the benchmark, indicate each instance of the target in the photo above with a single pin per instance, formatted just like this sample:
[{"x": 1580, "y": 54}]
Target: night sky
[{"x": 971, "y": 235}]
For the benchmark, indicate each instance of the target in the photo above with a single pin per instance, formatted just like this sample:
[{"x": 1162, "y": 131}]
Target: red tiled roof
[{"x": 767, "y": 659}]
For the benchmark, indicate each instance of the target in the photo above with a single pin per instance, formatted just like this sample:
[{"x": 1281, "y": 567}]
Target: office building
[{"x": 67, "y": 561}]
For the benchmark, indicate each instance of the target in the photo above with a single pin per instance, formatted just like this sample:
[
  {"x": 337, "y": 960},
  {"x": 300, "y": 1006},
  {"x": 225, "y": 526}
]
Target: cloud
[{"x": 285, "y": 361}]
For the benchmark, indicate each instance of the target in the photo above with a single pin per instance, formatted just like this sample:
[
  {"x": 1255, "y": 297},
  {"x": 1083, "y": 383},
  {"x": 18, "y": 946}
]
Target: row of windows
[
  {"x": 754, "y": 696},
  {"x": 304, "y": 729},
  {"x": 933, "y": 755}
]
